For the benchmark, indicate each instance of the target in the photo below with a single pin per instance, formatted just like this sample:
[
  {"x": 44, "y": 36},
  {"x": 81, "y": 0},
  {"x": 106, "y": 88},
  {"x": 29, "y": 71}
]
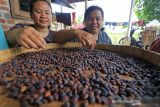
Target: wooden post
[{"x": 130, "y": 19}]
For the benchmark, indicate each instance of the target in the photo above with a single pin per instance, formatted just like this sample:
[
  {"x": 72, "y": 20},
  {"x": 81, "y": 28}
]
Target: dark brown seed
[
  {"x": 91, "y": 99},
  {"x": 84, "y": 104},
  {"x": 24, "y": 104},
  {"x": 66, "y": 104}
]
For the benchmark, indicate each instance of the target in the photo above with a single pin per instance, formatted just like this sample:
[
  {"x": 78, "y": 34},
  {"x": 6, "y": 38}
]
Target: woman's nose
[
  {"x": 94, "y": 20},
  {"x": 43, "y": 15}
]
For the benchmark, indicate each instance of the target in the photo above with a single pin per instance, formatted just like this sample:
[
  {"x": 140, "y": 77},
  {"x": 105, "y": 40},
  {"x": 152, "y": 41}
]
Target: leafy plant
[{"x": 147, "y": 10}]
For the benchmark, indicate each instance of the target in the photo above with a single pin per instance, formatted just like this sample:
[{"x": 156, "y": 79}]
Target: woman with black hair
[{"x": 93, "y": 21}]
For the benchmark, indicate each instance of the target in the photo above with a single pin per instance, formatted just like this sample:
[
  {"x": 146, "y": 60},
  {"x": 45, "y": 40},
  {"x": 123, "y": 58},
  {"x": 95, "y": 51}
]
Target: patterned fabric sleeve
[
  {"x": 155, "y": 46},
  {"x": 19, "y": 25}
]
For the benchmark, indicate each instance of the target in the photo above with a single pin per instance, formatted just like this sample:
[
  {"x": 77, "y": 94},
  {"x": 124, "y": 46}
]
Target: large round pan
[{"x": 142, "y": 54}]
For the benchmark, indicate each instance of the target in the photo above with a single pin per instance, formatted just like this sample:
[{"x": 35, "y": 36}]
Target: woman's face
[
  {"x": 94, "y": 22},
  {"x": 41, "y": 14}
]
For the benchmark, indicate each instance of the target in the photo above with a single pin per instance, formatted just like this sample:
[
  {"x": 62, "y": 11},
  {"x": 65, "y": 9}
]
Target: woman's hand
[
  {"x": 87, "y": 39},
  {"x": 30, "y": 38}
]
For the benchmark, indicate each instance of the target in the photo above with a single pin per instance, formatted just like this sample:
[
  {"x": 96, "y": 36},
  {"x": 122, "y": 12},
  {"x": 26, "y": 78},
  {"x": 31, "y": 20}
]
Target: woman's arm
[
  {"x": 11, "y": 36},
  {"x": 30, "y": 38},
  {"x": 27, "y": 37},
  {"x": 85, "y": 38}
]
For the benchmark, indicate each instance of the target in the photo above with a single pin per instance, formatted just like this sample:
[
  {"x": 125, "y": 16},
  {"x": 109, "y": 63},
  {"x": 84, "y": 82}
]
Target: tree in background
[{"x": 147, "y": 10}]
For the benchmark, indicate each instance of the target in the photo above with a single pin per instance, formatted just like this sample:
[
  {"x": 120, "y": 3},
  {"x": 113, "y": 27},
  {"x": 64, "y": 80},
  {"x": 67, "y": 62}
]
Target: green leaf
[{"x": 147, "y": 10}]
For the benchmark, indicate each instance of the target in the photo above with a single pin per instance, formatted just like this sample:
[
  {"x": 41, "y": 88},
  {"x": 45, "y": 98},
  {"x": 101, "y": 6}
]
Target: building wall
[{"x": 6, "y": 18}]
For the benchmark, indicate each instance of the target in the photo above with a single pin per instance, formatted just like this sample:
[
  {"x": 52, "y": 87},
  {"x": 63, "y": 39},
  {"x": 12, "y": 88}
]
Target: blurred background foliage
[{"x": 147, "y": 10}]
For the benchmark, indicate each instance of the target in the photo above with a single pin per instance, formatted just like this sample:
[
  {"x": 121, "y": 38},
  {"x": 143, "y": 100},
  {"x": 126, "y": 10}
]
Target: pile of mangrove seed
[{"x": 78, "y": 74}]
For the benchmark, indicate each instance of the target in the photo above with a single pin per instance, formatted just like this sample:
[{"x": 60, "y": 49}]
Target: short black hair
[
  {"x": 91, "y": 9},
  {"x": 34, "y": 1}
]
